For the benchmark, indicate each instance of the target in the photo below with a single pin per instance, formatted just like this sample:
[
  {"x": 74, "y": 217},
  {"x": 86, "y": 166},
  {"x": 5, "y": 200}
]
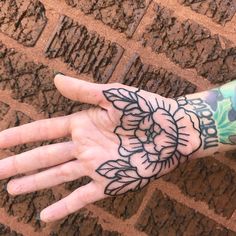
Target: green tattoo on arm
[
  {"x": 216, "y": 110},
  {"x": 223, "y": 104}
]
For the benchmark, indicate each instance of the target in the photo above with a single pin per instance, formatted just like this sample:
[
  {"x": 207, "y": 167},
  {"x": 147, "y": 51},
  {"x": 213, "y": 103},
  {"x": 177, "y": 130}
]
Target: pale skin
[{"x": 95, "y": 143}]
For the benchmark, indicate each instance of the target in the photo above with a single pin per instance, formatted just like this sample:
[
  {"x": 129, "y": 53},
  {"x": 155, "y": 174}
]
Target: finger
[
  {"x": 36, "y": 131},
  {"x": 38, "y": 158},
  {"x": 76, "y": 200},
  {"x": 45, "y": 179},
  {"x": 80, "y": 90},
  {"x": 86, "y": 92}
]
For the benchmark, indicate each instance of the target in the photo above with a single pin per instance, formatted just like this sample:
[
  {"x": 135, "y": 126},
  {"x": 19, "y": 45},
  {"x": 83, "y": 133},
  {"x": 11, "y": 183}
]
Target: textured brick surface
[
  {"x": 124, "y": 206},
  {"x": 84, "y": 51},
  {"x": 83, "y": 223},
  {"x": 4, "y": 108},
  {"x": 156, "y": 79},
  {"x": 221, "y": 11},
  {"x": 209, "y": 181},
  {"x": 164, "y": 216},
  {"x": 32, "y": 83},
  {"x": 17, "y": 118},
  {"x": 73, "y": 185},
  {"x": 6, "y": 231},
  {"x": 22, "y": 20},
  {"x": 26, "y": 207},
  {"x": 108, "y": 41},
  {"x": 231, "y": 155},
  {"x": 121, "y": 15},
  {"x": 191, "y": 46}
]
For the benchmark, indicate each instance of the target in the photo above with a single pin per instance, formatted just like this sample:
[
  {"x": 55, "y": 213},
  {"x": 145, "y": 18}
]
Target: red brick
[
  {"x": 32, "y": 83},
  {"x": 6, "y": 231},
  {"x": 191, "y": 46},
  {"x": 156, "y": 79},
  {"x": 4, "y": 108},
  {"x": 23, "y": 20},
  {"x": 209, "y": 181},
  {"x": 165, "y": 216},
  {"x": 83, "y": 223},
  {"x": 123, "y": 16},
  {"x": 124, "y": 206},
  {"x": 221, "y": 11},
  {"x": 82, "y": 50}
]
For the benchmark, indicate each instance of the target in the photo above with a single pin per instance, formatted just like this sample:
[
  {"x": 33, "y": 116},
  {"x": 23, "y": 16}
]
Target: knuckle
[
  {"x": 84, "y": 197},
  {"x": 40, "y": 156},
  {"x": 116, "y": 84},
  {"x": 66, "y": 172},
  {"x": 15, "y": 164}
]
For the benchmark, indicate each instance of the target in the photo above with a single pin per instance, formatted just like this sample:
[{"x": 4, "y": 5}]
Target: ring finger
[{"x": 45, "y": 179}]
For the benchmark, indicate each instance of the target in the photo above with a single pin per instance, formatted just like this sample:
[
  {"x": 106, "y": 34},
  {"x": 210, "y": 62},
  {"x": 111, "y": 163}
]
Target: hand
[{"x": 129, "y": 139}]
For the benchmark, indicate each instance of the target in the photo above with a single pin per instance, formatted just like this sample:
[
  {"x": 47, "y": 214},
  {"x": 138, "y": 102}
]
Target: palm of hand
[{"x": 133, "y": 138}]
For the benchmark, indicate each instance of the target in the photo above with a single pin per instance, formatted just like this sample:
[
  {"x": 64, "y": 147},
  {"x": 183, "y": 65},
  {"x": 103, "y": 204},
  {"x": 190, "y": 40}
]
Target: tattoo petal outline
[{"x": 154, "y": 138}]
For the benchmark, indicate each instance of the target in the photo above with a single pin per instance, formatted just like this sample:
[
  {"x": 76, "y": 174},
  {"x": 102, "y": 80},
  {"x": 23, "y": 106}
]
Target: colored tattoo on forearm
[
  {"x": 217, "y": 114},
  {"x": 223, "y": 103},
  {"x": 155, "y": 137}
]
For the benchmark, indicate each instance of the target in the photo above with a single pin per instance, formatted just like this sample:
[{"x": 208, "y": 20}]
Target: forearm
[{"x": 216, "y": 112}]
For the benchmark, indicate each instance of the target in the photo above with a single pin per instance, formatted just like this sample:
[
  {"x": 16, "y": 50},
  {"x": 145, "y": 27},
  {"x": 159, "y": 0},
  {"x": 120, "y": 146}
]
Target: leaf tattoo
[
  {"x": 154, "y": 138},
  {"x": 111, "y": 168}
]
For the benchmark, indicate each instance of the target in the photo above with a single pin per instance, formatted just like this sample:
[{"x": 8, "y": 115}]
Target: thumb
[{"x": 80, "y": 90}]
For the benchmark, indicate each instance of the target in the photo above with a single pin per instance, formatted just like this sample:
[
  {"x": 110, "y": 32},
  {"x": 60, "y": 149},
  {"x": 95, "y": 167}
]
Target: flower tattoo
[{"x": 154, "y": 138}]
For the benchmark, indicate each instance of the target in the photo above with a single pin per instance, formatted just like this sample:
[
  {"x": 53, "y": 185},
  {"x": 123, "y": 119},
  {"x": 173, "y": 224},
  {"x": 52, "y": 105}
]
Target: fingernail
[
  {"x": 57, "y": 73},
  {"x": 37, "y": 217}
]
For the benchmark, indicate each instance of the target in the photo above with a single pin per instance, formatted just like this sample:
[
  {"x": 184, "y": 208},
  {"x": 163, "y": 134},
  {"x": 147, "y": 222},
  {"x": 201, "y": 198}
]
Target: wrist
[{"x": 199, "y": 105}]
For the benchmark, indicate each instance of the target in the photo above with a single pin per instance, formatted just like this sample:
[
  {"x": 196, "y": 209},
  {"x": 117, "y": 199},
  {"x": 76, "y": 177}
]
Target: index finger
[{"x": 40, "y": 130}]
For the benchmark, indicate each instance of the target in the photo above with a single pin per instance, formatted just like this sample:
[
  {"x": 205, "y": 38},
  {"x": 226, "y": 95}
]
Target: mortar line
[
  {"x": 104, "y": 217},
  {"x": 12, "y": 221},
  {"x": 14, "y": 224},
  {"x": 27, "y": 109},
  {"x": 226, "y": 161},
  {"x": 118, "y": 73},
  {"x": 17, "y": 105},
  {"x": 175, "y": 193},
  {"x": 134, "y": 219},
  {"x": 57, "y": 64},
  {"x": 130, "y": 45},
  {"x": 231, "y": 24},
  {"x": 65, "y": 69},
  {"x": 233, "y": 217},
  {"x": 186, "y": 13},
  {"x": 187, "y": 74},
  {"x": 36, "y": 55}
]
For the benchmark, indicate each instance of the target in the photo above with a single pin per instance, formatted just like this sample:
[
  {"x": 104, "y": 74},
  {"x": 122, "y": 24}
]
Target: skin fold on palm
[{"x": 128, "y": 139}]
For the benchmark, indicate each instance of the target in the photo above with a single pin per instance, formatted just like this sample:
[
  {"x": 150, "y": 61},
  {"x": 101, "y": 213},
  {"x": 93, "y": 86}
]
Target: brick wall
[{"x": 170, "y": 47}]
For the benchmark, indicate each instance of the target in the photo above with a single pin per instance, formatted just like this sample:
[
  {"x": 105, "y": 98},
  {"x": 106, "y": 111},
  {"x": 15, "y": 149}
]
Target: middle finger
[{"x": 38, "y": 158}]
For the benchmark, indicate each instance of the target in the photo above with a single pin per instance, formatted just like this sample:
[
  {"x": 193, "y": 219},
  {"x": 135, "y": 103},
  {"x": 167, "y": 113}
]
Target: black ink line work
[
  {"x": 205, "y": 114},
  {"x": 154, "y": 138}
]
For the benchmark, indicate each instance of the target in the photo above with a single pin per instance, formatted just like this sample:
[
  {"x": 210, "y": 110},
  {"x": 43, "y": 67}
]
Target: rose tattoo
[{"x": 154, "y": 137}]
